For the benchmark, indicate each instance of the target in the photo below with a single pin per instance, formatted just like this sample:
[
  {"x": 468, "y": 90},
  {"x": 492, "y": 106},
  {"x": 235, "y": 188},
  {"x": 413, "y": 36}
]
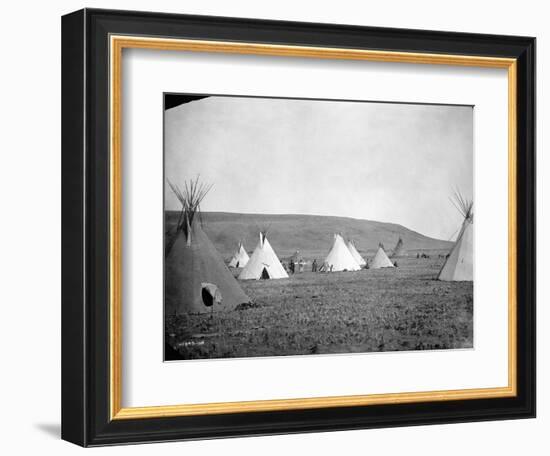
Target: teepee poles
[{"x": 190, "y": 198}]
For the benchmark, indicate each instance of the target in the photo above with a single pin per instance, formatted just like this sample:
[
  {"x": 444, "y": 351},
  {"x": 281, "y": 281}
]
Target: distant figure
[
  {"x": 395, "y": 264},
  {"x": 291, "y": 265},
  {"x": 417, "y": 256},
  {"x": 301, "y": 266},
  {"x": 331, "y": 266},
  {"x": 314, "y": 266}
]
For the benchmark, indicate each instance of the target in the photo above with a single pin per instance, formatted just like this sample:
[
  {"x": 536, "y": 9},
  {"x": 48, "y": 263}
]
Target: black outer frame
[{"x": 85, "y": 227}]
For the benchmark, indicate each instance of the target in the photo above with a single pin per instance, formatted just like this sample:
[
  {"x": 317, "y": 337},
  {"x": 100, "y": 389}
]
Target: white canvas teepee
[
  {"x": 340, "y": 258},
  {"x": 240, "y": 257},
  {"x": 356, "y": 255},
  {"x": 381, "y": 260},
  {"x": 263, "y": 264},
  {"x": 459, "y": 265}
]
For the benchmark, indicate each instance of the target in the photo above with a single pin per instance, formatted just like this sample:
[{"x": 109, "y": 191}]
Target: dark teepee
[
  {"x": 196, "y": 277},
  {"x": 399, "y": 249}
]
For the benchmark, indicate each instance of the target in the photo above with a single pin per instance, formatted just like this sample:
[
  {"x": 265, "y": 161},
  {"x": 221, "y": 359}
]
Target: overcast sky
[{"x": 395, "y": 163}]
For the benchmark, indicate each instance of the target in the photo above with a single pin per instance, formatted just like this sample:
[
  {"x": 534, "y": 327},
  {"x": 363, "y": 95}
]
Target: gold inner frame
[{"x": 117, "y": 44}]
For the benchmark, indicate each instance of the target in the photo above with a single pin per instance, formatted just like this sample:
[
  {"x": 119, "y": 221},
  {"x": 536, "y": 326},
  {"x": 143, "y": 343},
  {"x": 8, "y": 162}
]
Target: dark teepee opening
[
  {"x": 210, "y": 294},
  {"x": 207, "y": 298},
  {"x": 265, "y": 274}
]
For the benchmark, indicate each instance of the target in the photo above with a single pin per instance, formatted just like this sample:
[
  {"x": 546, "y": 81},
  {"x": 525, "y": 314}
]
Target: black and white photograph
[{"x": 309, "y": 227}]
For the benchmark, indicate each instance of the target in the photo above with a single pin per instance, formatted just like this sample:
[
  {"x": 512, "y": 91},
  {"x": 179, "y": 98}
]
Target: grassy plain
[{"x": 394, "y": 309}]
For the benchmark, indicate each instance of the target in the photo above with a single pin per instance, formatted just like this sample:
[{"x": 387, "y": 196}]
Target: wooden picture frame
[{"x": 92, "y": 44}]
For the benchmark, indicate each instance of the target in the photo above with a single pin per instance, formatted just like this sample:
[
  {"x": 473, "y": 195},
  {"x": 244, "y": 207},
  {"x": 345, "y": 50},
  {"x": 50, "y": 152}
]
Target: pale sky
[{"x": 396, "y": 163}]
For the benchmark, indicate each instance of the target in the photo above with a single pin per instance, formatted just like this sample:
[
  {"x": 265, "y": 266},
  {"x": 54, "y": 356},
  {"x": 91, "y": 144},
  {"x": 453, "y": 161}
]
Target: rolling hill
[{"x": 311, "y": 234}]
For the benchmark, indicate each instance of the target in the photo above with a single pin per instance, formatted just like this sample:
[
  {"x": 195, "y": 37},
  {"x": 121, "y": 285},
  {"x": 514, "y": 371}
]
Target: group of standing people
[{"x": 295, "y": 267}]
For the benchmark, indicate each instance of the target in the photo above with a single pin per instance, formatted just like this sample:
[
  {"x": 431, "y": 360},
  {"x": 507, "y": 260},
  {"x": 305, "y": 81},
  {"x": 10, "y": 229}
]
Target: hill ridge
[
  {"x": 311, "y": 234},
  {"x": 398, "y": 225}
]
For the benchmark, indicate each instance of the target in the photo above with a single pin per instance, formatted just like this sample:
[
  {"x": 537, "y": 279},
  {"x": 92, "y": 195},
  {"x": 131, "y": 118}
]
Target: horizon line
[{"x": 318, "y": 215}]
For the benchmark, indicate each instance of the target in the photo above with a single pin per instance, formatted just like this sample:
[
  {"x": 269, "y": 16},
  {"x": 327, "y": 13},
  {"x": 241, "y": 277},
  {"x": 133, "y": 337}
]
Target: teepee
[
  {"x": 356, "y": 255},
  {"x": 381, "y": 260},
  {"x": 340, "y": 258},
  {"x": 399, "y": 249},
  {"x": 459, "y": 265},
  {"x": 263, "y": 264},
  {"x": 196, "y": 277},
  {"x": 240, "y": 258}
]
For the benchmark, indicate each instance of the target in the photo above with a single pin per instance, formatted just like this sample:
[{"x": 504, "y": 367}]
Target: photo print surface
[{"x": 310, "y": 227}]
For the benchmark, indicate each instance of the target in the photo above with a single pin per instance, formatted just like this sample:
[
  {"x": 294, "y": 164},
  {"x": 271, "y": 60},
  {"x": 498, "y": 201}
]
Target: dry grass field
[{"x": 402, "y": 308}]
